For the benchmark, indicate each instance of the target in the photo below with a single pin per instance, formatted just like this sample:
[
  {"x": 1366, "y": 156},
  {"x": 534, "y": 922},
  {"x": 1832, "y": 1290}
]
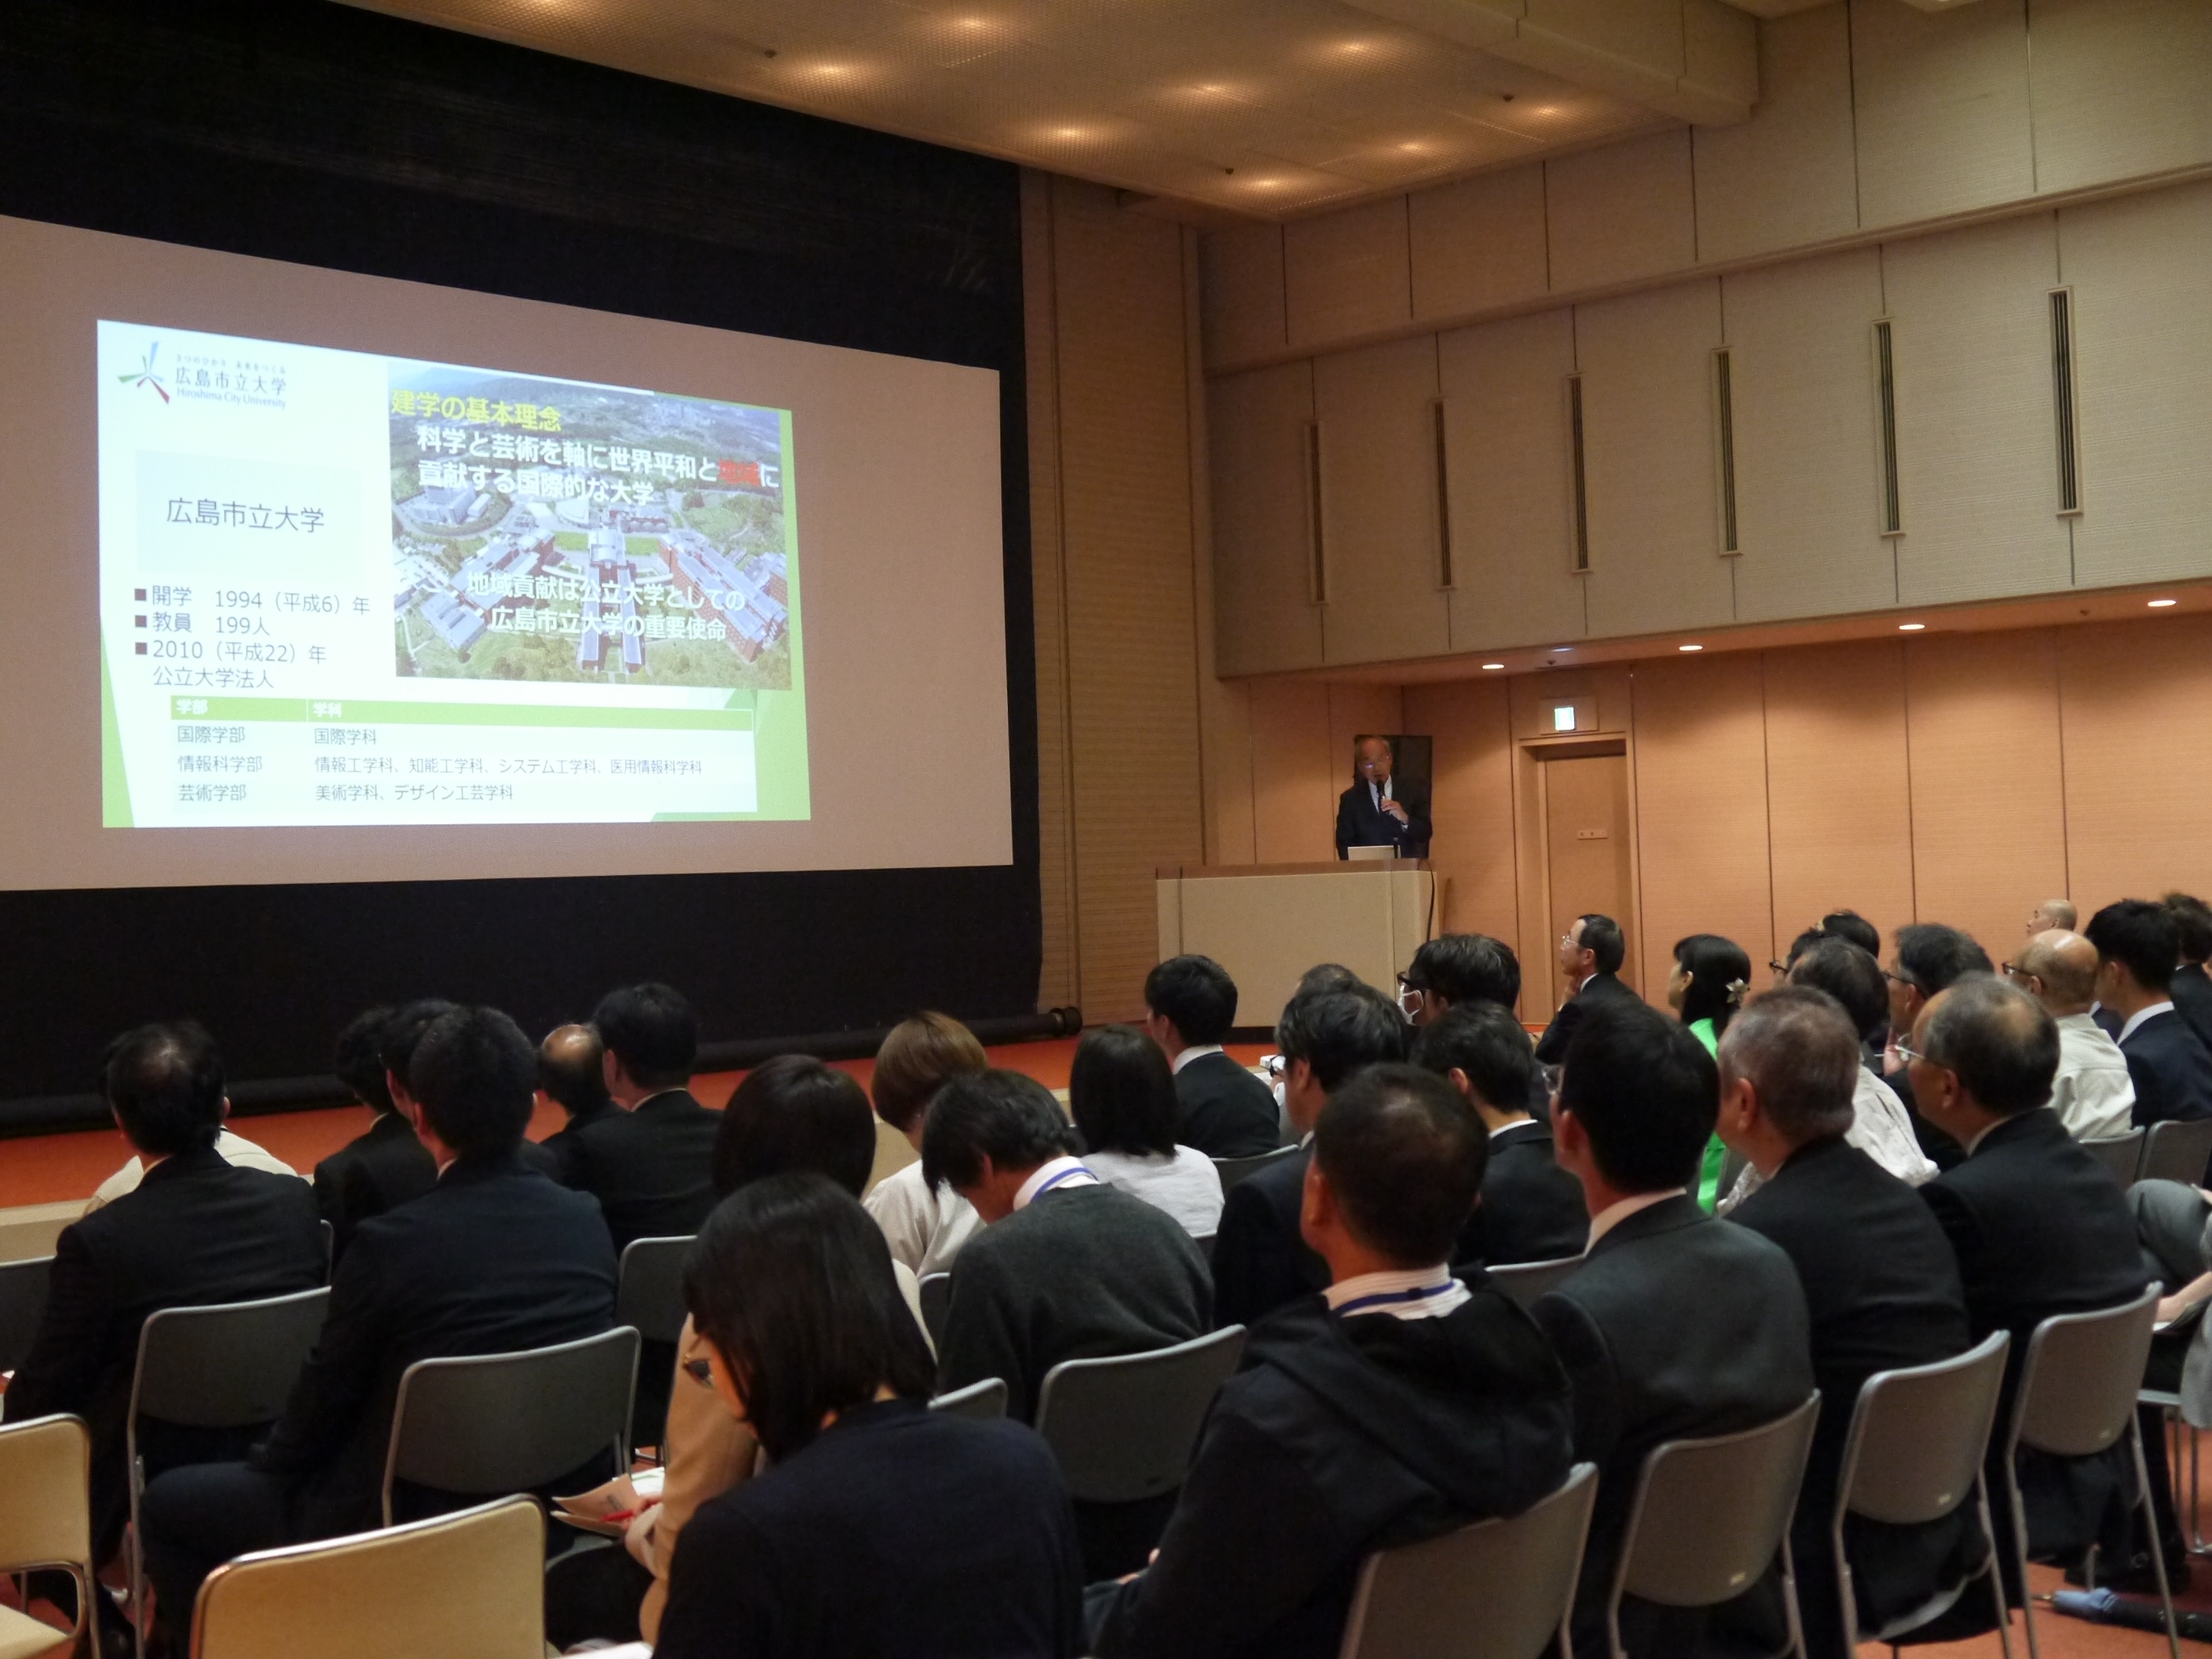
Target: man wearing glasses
[
  {"x": 1929, "y": 958},
  {"x": 1380, "y": 809}
]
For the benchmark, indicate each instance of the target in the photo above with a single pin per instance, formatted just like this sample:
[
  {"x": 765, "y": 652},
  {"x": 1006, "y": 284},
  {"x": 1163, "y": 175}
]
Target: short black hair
[
  {"x": 1195, "y": 994},
  {"x": 1467, "y": 968},
  {"x": 1851, "y": 925},
  {"x": 164, "y": 1082},
  {"x": 1851, "y": 976},
  {"x": 652, "y": 1031},
  {"x": 1935, "y": 957},
  {"x": 1805, "y": 941},
  {"x": 1337, "y": 1032},
  {"x": 1121, "y": 1094},
  {"x": 2192, "y": 925},
  {"x": 2142, "y": 937},
  {"x": 1010, "y": 1119},
  {"x": 792, "y": 1282},
  {"x": 794, "y": 1113},
  {"x": 1601, "y": 936},
  {"x": 1720, "y": 974},
  {"x": 1645, "y": 1093},
  {"x": 2001, "y": 1042},
  {"x": 359, "y": 1060},
  {"x": 1797, "y": 1048},
  {"x": 403, "y": 1030},
  {"x": 1405, "y": 1160},
  {"x": 1486, "y": 1042},
  {"x": 475, "y": 1076},
  {"x": 578, "y": 1081},
  {"x": 1326, "y": 976}
]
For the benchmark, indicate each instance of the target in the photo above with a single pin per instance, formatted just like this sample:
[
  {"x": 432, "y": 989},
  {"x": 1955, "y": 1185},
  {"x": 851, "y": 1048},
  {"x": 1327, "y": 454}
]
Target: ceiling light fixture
[
  {"x": 2160, "y": 604},
  {"x": 1489, "y": 666},
  {"x": 1911, "y": 628},
  {"x": 1689, "y": 648}
]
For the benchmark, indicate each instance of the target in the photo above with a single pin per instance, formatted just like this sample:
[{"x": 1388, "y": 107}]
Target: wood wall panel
[
  {"x": 2122, "y": 88},
  {"x": 1379, "y": 503},
  {"x": 1242, "y": 269},
  {"x": 1347, "y": 273},
  {"x": 1623, "y": 212},
  {"x": 1357, "y": 711},
  {"x": 1788, "y": 176},
  {"x": 1473, "y": 851},
  {"x": 1256, "y": 421},
  {"x": 1479, "y": 243},
  {"x": 1942, "y": 108},
  {"x": 1295, "y": 773}
]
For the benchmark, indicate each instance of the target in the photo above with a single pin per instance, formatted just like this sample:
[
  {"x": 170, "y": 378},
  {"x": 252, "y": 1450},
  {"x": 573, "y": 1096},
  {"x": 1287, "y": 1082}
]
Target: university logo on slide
[{"x": 144, "y": 373}]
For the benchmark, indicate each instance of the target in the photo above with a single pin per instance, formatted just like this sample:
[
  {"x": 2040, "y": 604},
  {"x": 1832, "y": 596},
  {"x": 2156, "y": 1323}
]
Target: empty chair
[
  {"x": 1234, "y": 1169},
  {"x": 1124, "y": 1428},
  {"x": 2121, "y": 1154},
  {"x": 982, "y": 1401},
  {"x": 22, "y": 1305},
  {"x": 1527, "y": 1282},
  {"x": 464, "y": 1586},
  {"x": 649, "y": 1296},
  {"x": 45, "y": 1464},
  {"x": 1497, "y": 1589},
  {"x": 490, "y": 1425},
  {"x": 1710, "y": 1517},
  {"x": 2175, "y": 1151},
  {"x": 936, "y": 1302}
]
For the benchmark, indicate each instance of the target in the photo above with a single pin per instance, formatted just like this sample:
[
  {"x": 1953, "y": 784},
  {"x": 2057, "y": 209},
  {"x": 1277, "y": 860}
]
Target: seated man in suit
[
  {"x": 1531, "y": 1209},
  {"x": 2191, "y": 987},
  {"x": 1879, "y": 1281},
  {"x": 650, "y": 1164},
  {"x": 1929, "y": 958},
  {"x": 1678, "y": 1326},
  {"x": 2039, "y": 1225},
  {"x": 1398, "y": 1405},
  {"x": 1260, "y": 1259},
  {"x": 1380, "y": 810},
  {"x": 2138, "y": 948},
  {"x": 2093, "y": 1093},
  {"x": 572, "y": 1073},
  {"x": 1590, "y": 955},
  {"x": 1222, "y": 1109},
  {"x": 1454, "y": 970},
  {"x": 385, "y": 1167},
  {"x": 495, "y": 1258}
]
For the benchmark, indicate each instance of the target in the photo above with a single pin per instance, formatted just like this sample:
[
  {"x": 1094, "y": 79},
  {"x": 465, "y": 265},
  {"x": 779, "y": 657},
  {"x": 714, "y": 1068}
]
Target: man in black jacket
[
  {"x": 387, "y": 1166},
  {"x": 495, "y": 1258},
  {"x": 1380, "y": 810},
  {"x": 1454, "y": 970},
  {"x": 1590, "y": 955},
  {"x": 1221, "y": 1108},
  {"x": 1677, "y": 1326},
  {"x": 1930, "y": 957},
  {"x": 2138, "y": 948},
  {"x": 2191, "y": 987},
  {"x": 572, "y": 1073},
  {"x": 1879, "y": 1281},
  {"x": 1531, "y": 1209},
  {"x": 1400, "y": 1404},
  {"x": 651, "y": 1164}
]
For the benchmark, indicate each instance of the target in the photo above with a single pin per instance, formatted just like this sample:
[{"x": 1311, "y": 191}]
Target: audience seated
[
  {"x": 1260, "y": 1259},
  {"x": 386, "y": 1166},
  {"x": 1223, "y": 1110},
  {"x": 2138, "y": 949},
  {"x": 1530, "y": 1209},
  {"x": 1879, "y": 1281},
  {"x": 1704, "y": 989},
  {"x": 2191, "y": 987},
  {"x": 1929, "y": 958},
  {"x": 572, "y": 1073},
  {"x": 879, "y": 1528},
  {"x": 1454, "y": 969},
  {"x": 1677, "y": 1326},
  {"x": 648, "y": 1164},
  {"x": 1401, "y": 1404},
  {"x": 2051, "y": 917},
  {"x": 232, "y": 1148},
  {"x": 494, "y": 1259},
  {"x": 1850, "y": 924},
  {"x": 925, "y": 1225},
  {"x": 2092, "y": 1092},
  {"x": 1590, "y": 955},
  {"x": 1122, "y": 1099}
]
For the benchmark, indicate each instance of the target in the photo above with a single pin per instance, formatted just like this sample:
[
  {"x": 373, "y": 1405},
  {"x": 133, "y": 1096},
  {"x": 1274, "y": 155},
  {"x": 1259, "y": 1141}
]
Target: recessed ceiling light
[
  {"x": 1493, "y": 665},
  {"x": 1689, "y": 648},
  {"x": 2160, "y": 604},
  {"x": 1562, "y": 647},
  {"x": 1911, "y": 628}
]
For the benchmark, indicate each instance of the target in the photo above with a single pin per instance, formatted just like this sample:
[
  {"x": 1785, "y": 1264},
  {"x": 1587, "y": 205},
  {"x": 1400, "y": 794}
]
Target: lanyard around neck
[{"x": 1419, "y": 1293}]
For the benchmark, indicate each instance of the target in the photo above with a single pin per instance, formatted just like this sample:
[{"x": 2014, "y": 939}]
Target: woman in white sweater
[
  {"x": 926, "y": 1228},
  {"x": 1123, "y": 1098}
]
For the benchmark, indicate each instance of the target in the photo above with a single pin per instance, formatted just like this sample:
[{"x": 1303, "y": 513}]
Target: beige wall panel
[
  {"x": 1355, "y": 711},
  {"x": 1648, "y": 438},
  {"x": 1839, "y": 804},
  {"x": 1379, "y": 503},
  {"x": 1471, "y": 805},
  {"x": 1622, "y": 212},
  {"x": 2122, "y": 88},
  {"x": 1808, "y": 455},
  {"x": 1989, "y": 819},
  {"x": 1296, "y": 773},
  {"x": 1512, "y": 480},
  {"x": 1479, "y": 243},
  {"x": 1264, "y": 616},
  {"x": 1700, "y": 781},
  {"x": 1789, "y": 175},
  {"x": 2140, "y": 268},
  {"x": 1975, "y": 456},
  {"x": 1942, "y": 108},
  {"x": 1346, "y": 273},
  {"x": 1533, "y": 695},
  {"x": 1241, "y": 268}
]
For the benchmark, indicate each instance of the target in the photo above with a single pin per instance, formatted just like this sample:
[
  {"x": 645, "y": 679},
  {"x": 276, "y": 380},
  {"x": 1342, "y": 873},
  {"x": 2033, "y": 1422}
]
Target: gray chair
[
  {"x": 1710, "y": 1517},
  {"x": 2174, "y": 1150},
  {"x": 936, "y": 1302},
  {"x": 981, "y": 1401},
  {"x": 1124, "y": 1428},
  {"x": 1914, "y": 1454},
  {"x": 1527, "y": 1282},
  {"x": 649, "y": 1288},
  {"x": 2167, "y": 1403},
  {"x": 1234, "y": 1169},
  {"x": 1497, "y": 1589},
  {"x": 22, "y": 1305},
  {"x": 2121, "y": 1154},
  {"x": 2075, "y": 1398},
  {"x": 1205, "y": 1242},
  {"x": 491, "y": 1425}
]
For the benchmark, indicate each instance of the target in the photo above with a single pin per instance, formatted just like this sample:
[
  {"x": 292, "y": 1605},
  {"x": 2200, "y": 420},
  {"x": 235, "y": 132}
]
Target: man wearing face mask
[{"x": 1381, "y": 810}]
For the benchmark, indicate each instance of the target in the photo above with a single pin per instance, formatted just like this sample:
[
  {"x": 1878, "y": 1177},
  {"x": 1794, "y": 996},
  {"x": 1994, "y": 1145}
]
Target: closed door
[{"x": 1586, "y": 850}]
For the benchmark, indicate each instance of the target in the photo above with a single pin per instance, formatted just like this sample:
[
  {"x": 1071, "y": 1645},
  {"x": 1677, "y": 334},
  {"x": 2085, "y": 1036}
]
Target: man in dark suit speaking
[{"x": 1380, "y": 810}]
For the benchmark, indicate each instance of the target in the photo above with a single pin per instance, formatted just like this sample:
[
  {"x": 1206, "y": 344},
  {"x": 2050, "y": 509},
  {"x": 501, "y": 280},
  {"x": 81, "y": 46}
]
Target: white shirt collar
[
  {"x": 1390, "y": 1292},
  {"x": 2140, "y": 1016},
  {"x": 1613, "y": 1214},
  {"x": 1516, "y": 1123},
  {"x": 1059, "y": 1172},
  {"x": 1583, "y": 980},
  {"x": 1199, "y": 1053}
]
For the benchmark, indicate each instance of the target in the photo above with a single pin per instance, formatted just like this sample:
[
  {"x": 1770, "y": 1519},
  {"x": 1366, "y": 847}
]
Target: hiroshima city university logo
[{"x": 144, "y": 374}]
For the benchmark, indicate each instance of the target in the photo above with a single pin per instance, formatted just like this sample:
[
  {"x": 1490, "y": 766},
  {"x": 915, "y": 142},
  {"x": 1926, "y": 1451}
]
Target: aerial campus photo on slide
[{"x": 337, "y": 588}]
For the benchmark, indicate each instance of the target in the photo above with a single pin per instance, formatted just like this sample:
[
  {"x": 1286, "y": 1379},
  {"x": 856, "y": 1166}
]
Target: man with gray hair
[
  {"x": 2053, "y": 916},
  {"x": 2092, "y": 1092}
]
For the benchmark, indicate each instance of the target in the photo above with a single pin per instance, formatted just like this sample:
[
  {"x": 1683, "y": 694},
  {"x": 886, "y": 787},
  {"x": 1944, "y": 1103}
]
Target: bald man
[
  {"x": 1381, "y": 809},
  {"x": 2052, "y": 915},
  {"x": 572, "y": 1073},
  {"x": 2092, "y": 1093}
]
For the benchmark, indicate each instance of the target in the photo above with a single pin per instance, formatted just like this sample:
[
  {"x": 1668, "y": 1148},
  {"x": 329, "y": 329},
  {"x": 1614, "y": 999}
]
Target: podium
[{"x": 1267, "y": 923}]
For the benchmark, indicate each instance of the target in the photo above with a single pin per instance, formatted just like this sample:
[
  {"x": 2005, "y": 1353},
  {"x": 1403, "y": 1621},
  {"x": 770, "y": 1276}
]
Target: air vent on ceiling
[
  {"x": 1724, "y": 445},
  {"x": 1316, "y": 559},
  {"x": 1581, "y": 476},
  {"x": 2065, "y": 401},
  {"x": 1444, "y": 495},
  {"x": 1884, "y": 369}
]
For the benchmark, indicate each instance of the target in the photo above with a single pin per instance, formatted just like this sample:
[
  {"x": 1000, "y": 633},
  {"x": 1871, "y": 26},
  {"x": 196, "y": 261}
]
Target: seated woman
[
  {"x": 1705, "y": 989},
  {"x": 1122, "y": 1097},
  {"x": 925, "y": 1225},
  {"x": 879, "y": 1527}
]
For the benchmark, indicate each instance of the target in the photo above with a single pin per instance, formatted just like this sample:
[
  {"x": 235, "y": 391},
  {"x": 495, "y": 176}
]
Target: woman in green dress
[{"x": 1705, "y": 989}]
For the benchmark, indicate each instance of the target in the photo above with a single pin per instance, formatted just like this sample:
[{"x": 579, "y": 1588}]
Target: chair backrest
[
  {"x": 512, "y": 1422},
  {"x": 1497, "y": 1589},
  {"x": 1234, "y": 1169},
  {"x": 649, "y": 1293},
  {"x": 1709, "y": 1514},
  {"x": 23, "y": 1305},
  {"x": 2121, "y": 1154},
  {"x": 2175, "y": 1151},
  {"x": 465, "y": 1586},
  {"x": 225, "y": 1366},
  {"x": 1732, "y": 1168},
  {"x": 45, "y": 1464},
  {"x": 982, "y": 1401},
  {"x": 1527, "y": 1282},
  {"x": 2077, "y": 1386},
  {"x": 1918, "y": 1437},
  {"x": 936, "y": 1302},
  {"x": 1124, "y": 1428}
]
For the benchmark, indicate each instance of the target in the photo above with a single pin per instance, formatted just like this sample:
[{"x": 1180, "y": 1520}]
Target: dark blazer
[
  {"x": 1531, "y": 1209},
  {"x": 1223, "y": 1110},
  {"x": 195, "y": 1231},
  {"x": 651, "y": 1168},
  {"x": 494, "y": 1259},
  {"x": 560, "y": 1145},
  {"x": 2191, "y": 991},
  {"x": 1339, "y": 1435},
  {"x": 899, "y": 1532},
  {"x": 1260, "y": 1259},
  {"x": 1882, "y": 1288},
  {"x": 2171, "y": 1068},
  {"x": 1551, "y": 1047},
  {"x": 379, "y": 1170},
  {"x": 1678, "y": 1326},
  {"x": 1360, "y": 822},
  {"x": 1938, "y": 1146}
]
